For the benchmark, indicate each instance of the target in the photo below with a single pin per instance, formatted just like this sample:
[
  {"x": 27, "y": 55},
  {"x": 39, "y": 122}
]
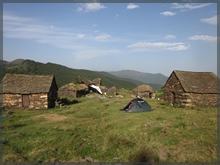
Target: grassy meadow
[{"x": 93, "y": 129}]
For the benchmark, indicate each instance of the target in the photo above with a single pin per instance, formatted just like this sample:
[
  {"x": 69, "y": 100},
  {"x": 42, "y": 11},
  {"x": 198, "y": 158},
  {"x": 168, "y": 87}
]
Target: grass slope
[
  {"x": 64, "y": 75},
  {"x": 95, "y": 128}
]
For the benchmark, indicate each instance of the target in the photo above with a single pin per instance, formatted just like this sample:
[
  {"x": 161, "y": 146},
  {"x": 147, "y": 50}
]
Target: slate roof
[
  {"x": 198, "y": 82},
  {"x": 25, "y": 84}
]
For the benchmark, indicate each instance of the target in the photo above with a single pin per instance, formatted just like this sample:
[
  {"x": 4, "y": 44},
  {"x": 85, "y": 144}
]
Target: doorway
[
  {"x": 172, "y": 98},
  {"x": 25, "y": 101}
]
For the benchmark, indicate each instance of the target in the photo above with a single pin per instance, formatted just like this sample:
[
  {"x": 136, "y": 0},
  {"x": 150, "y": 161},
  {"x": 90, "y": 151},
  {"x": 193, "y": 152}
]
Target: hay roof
[
  {"x": 24, "y": 84},
  {"x": 197, "y": 82},
  {"x": 84, "y": 80},
  {"x": 97, "y": 81},
  {"x": 143, "y": 88},
  {"x": 73, "y": 87}
]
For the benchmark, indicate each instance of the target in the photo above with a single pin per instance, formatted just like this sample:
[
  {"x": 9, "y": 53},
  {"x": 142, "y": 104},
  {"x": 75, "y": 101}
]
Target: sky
[{"x": 145, "y": 37}]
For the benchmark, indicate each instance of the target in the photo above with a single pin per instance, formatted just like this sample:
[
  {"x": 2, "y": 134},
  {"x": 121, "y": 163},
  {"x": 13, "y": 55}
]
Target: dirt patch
[
  {"x": 87, "y": 118},
  {"x": 51, "y": 117}
]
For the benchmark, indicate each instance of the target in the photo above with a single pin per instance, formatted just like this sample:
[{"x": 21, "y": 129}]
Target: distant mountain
[
  {"x": 136, "y": 82},
  {"x": 13, "y": 63},
  {"x": 63, "y": 74},
  {"x": 147, "y": 78}
]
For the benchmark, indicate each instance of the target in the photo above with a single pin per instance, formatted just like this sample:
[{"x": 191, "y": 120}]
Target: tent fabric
[
  {"x": 137, "y": 105},
  {"x": 96, "y": 87}
]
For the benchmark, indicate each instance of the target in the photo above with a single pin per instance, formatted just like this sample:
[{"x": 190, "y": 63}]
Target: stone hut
[
  {"x": 73, "y": 90},
  {"x": 112, "y": 91},
  {"x": 191, "y": 88},
  {"x": 29, "y": 91},
  {"x": 83, "y": 80},
  {"x": 144, "y": 91},
  {"x": 97, "y": 82}
]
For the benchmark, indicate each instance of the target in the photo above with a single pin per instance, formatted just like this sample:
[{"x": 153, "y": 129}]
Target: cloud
[
  {"x": 17, "y": 27},
  {"x": 79, "y": 9},
  {"x": 170, "y": 37},
  {"x": 90, "y": 7},
  {"x": 168, "y": 13},
  {"x": 102, "y": 37},
  {"x": 132, "y": 6},
  {"x": 189, "y": 6},
  {"x": 177, "y": 47},
  {"x": 203, "y": 38},
  {"x": 94, "y": 53},
  {"x": 32, "y": 29},
  {"x": 159, "y": 45},
  {"x": 212, "y": 20},
  {"x": 80, "y": 35}
]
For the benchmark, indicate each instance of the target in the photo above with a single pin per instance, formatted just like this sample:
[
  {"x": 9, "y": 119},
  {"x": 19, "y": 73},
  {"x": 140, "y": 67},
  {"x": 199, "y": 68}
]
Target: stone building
[
  {"x": 112, "y": 91},
  {"x": 83, "y": 80},
  {"x": 97, "y": 82},
  {"x": 191, "y": 88},
  {"x": 144, "y": 91},
  {"x": 72, "y": 90},
  {"x": 29, "y": 91}
]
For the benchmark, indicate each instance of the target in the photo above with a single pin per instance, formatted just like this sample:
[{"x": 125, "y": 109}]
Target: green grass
[{"x": 96, "y": 128}]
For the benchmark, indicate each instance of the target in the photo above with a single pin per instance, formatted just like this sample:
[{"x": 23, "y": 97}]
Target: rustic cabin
[
  {"x": 97, "y": 81},
  {"x": 83, "y": 80},
  {"x": 191, "y": 88},
  {"x": 29, "y": 91},
  {"x": 112, "y": 91},
  {"x": 144, "y": 91},
  {"x": 72, "y": 90}
]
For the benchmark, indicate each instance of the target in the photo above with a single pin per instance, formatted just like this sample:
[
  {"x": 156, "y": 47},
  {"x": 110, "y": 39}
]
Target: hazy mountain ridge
[
  {"x": 13, "y": 63},
  {"x": 65, "y": 75},
  {"x": 137, "y": 82},
  {"x": 147, "y": 78}
]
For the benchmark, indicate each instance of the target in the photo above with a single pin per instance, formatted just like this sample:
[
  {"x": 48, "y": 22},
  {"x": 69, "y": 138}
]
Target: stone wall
[
  {"x": 173, "y": 86},
  {"x": 203, "y": 99},
  {"x": 36, "y": 101},
  {"x": 150, "y": 95},
  {"x": 72, "y": 93},
  {"x": 12, "y": 100},
  {"x": 67, "y": 93}
]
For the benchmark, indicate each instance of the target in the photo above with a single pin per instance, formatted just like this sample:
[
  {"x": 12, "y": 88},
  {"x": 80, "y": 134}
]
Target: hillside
[
  {"x": 136, "y": 82},
  {"x": 147, "y": 78},
  {"x": 64, "y": 75},
  {"x": 93, "y": 129}
]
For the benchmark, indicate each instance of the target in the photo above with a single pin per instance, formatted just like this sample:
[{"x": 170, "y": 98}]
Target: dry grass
[{"x": 52, "y": 117}]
